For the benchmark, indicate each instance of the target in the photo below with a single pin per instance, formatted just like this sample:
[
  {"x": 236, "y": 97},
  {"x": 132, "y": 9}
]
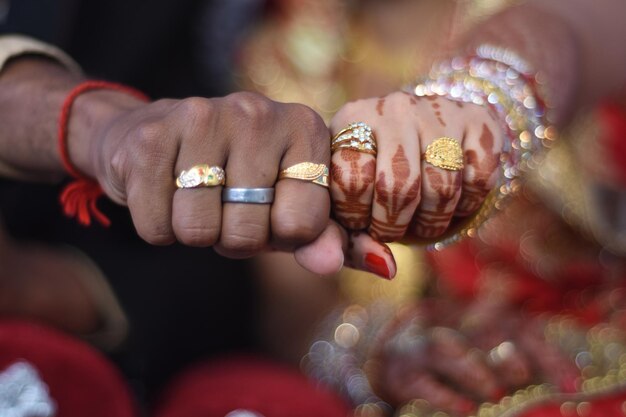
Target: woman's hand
[
  {"x": 138, "y": 153},
  {"x": 397, "y": 194},
  {"x": 456, "y": 358}
]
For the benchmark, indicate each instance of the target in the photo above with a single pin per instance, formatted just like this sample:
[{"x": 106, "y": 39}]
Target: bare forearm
[
  {"x": 575, "y": 44},
  {"x": 32, "y": 91}
]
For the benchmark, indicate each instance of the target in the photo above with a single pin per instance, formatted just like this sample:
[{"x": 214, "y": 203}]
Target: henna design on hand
[
  {"x": 394, "y": 199},
  {"x": 436, "y": 107},
  {"x": 432, "y": 222},
  {"x": 379, "y": 106},
  {"x": 352, "y": 212},
  {"x": 476, "y": 189},
  {"x": 412, "y": 98}
]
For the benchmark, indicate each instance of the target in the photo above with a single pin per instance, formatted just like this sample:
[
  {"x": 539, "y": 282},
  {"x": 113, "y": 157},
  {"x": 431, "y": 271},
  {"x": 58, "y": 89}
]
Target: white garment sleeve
[{"x": 12, "y": 45}]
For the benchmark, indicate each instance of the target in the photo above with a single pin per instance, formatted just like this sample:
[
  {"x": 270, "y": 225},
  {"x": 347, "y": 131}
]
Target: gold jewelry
[
  {"x": 307, "y": 171},
  {"x": 201, "y": 176},
  {"x": 445, "y": 153},
  {"x": 357, "y": 136}
]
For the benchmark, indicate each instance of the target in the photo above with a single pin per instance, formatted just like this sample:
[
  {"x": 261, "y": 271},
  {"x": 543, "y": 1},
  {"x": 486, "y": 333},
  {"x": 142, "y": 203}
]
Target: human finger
[
  {"x": 301, "y": 209},
  {"x": 441, "y": 141},
  {"x": 142, "y": 170},
  {"x": 365, "y": 253},
  {"x": 456, "y": 361},
  {"x": 324, "y": 256},
  {"x": 510, "y": 364},
  {"x": 398, "y": 176},
  {"x": 352, "y": 170},
  {"x": 266, "y": 136},
  {"x": 256, "y": 145},
  {"x": 552, "y": 363},
  {"x": 482, "y": 148},
  {"x": 496, "y": 336},
  {"x": 197, "y": 207}
]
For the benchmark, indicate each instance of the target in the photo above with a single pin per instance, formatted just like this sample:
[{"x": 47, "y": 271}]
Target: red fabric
[
  {"x": 80, "y": 380},
  {"x": 614, "y": 120},
  {"x": 570, "y": 291},
  {"x": 80, "y": 196},
  {"x": 214, "y": 389}
]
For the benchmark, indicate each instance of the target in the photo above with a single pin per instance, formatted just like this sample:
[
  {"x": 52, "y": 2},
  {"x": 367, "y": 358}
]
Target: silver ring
[{"x": 248, "y": 195}]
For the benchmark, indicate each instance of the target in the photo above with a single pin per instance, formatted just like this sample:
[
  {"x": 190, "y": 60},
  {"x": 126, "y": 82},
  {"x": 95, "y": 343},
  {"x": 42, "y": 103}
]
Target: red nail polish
[{"x": 376, "y": 265}]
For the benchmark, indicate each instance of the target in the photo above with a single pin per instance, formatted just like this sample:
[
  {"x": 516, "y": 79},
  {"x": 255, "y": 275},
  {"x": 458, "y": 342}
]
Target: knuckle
[
  {"x": 148, "y": 133},
  {"x": 396, "y": 101},
  {"x": 295, "y": 228},
  {"x": 158, "y": 235},
  {"x": 118, "y": 173},
  {"x": 196, "y": 108},
  {"x": 251, "y": 106},
  {"x": 304, "y": 120},
  {"x": 144, "y": 149},
  {"x": 346, "y": 114},
  {"x": 120, "y": 163},
  {"x": 194, "y": 235},
  {"x": 307, "y": 117},
  {"x": 352, "y": 112}
]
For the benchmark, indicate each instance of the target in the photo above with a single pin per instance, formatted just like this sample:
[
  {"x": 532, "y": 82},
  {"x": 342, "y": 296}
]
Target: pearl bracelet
[{"x": 501, "y": 80}]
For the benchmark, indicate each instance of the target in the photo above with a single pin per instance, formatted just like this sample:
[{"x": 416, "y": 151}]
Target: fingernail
[{"x": 376, "y": 265}]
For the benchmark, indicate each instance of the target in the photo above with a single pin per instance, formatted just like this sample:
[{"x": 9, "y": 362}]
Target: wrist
[
  {"x": 93, "y": 112},
  {"x": 547, "y": 43}
]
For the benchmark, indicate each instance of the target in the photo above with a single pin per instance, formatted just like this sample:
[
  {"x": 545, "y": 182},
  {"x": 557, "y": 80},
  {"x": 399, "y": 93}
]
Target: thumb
[
  {"x": 324, "y": 256},
  {"x": 367, "y": 254},
  {"x": 336, "y": 247}
]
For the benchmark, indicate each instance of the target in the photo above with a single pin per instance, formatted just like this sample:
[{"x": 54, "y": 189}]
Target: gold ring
[
  {"x": 201, "y": 176},
  {"x": 357, "y": 136},
  {"x": 307, "y": 171},
  {"x": 445, "y": 153}
]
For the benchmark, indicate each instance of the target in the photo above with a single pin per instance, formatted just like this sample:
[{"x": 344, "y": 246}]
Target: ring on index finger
[
  {"x": 357, "y": 136},
  {"x": 201, "y": 176}
]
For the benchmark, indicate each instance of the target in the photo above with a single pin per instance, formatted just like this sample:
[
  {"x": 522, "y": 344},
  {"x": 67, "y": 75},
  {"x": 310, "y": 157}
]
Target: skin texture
[
  {"x": 559, "y": 39},
  {"x": 405, "y": 196},
  {"x": 135, "y": 150},
  {"x": 451, "y": 368},
  {"x": 409, "y": 198},
  {"x": 575, "y": 47}
]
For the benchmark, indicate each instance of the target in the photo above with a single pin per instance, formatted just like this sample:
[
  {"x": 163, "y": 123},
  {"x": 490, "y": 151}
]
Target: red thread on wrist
[{"x": 79, "y": 197}]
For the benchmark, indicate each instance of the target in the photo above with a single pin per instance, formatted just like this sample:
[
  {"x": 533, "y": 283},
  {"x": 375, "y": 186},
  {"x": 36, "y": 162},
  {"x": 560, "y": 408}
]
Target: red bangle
[{"x": 79, "y": 197}]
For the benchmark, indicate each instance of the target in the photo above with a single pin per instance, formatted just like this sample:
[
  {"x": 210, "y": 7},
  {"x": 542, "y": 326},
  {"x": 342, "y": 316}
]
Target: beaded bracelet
[{"x": 500, "y": 79}]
